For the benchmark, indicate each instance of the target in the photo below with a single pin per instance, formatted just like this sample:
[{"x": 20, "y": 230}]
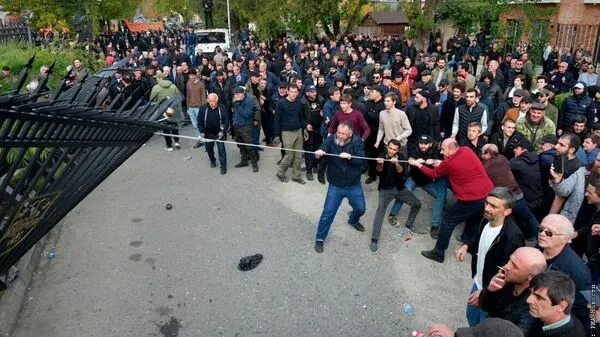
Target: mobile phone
[{"x": 559, "y": 164}]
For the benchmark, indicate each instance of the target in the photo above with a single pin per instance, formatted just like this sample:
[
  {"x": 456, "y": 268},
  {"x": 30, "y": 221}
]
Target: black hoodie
[{"x": 526, "y": 170}]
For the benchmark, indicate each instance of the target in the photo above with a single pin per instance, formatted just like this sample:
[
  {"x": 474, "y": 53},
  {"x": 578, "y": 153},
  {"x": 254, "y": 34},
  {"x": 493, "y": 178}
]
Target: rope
[{"x": 264, "y": 146}]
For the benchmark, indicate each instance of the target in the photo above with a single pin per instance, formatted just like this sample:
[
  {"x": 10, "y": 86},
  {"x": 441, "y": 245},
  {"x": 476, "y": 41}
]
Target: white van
[{"x": 209, "y": 39}]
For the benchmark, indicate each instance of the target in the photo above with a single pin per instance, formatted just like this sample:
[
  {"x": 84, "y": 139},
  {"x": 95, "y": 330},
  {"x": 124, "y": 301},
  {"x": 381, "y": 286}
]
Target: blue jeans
[
  {"x": 475, "y": 315},
  {"x": 437, "y": 189},
  {"x": 190, "y": 50},
  {"x": 525, "y": 219},
  {"x": 210, "y": 149},
  {"x": 193, "y": 113},
  {"x": 471, "y": 212},
  {"x": 335, "y": 195}
]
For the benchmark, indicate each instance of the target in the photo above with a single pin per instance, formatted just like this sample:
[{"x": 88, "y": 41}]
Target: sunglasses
[{"x": 548, "y": 232}]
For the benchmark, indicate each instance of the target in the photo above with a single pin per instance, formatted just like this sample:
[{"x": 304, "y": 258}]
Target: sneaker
[
  {"x": 168, "y": 149},
  {"x": 254, "y": 168},
  {"x": 392, "y": 220},
  {"x": 282, "y": 178},
  {"x": 299, "y": 181},
  {"x": 213, "y": 164},
  {"x": 358, "y": 226},
  {"x": 370, "y": 180},
  {"x": 223, "y": 170},
  {"x": 321, "y": 179},
  {"x": 373, "y": 246},
  {"x": 319, "y": 246},
  {"x": 309, "y": 176},
  {"x": 432, "y": 255},
  {"x": 198, "y": 144},
  {"x": 241, "y": 164},
  {"x": 412, "y": 230},
  {"x": 434, "y": 232},
  {"x": 177, "y": 146}
]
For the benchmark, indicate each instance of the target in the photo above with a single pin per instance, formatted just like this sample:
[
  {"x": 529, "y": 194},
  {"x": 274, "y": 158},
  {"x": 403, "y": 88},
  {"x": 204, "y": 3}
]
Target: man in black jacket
[
  {"x": 374, "y": 107},
  {"x": 313, "y": 114},
  {"x": 591, "y": 232},
  {"x": 497, "y": 240},
  {"x": 507, "y": 139},
  {"x": 449, "y": 108},
  {"x": 213, "y": 124},
  {"x": 506, "y": 295},
  {"x": 392, "y": 176}
]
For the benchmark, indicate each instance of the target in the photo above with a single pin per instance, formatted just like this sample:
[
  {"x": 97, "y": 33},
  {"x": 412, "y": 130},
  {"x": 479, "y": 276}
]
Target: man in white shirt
[{"x": 497, "y": 240}]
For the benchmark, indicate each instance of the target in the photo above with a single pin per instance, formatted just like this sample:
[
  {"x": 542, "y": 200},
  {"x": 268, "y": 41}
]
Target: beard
[{"x": 340, "y": 142}]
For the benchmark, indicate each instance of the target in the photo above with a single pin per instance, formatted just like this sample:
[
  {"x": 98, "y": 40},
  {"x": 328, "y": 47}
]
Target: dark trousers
[
  {"x": 470, "y": 212},
  {"x": 312, "y": 144},
  {"x": 266, "y": 121},
  {"x": 210, "y": 150},
  {"x": 385, "y": 197},
  {"x": 168, "y": 139},
  {"x": 372, "y": 152},
  {"x": 243, "y": 134},
  {"x": 208, "y": 19}
]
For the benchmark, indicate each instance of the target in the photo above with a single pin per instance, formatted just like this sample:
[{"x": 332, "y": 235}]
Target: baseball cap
[
  {"x": 444, "y": 82},
  {"x": 548, "y": 139},
  {"x": 239, "y": 90},
  {"x": 525, "y": 144},
  {"x": 551, "y": 87},
  {"x": 283, "y": 85},
  {"x": 578, "y": 85},
  {"x": 425, "y": 139},
  {"x": 542, "y": 91},
  {"x": 311, "y": 88},
  {"x": 519, "y": 92}
]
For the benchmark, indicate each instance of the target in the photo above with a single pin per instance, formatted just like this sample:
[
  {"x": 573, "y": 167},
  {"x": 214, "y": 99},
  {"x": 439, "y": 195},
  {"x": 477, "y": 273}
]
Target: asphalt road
[{"x": 126, "y": 266}]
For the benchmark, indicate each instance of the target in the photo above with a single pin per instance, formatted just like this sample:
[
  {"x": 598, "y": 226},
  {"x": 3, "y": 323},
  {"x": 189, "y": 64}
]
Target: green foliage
[
  {"x": 470, "y": 15},
  {"x": 54, "y": 12},
  {"x": 16, "y": 54},
  {"x": 419, "y": 23},
  {"x": 560, "y": 98}
]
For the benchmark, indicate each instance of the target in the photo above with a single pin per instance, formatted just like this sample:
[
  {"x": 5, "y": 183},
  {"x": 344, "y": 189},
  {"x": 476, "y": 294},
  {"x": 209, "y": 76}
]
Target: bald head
[
  {"x": 524, "y": 264},
  {"x": 449, "y": 147}
]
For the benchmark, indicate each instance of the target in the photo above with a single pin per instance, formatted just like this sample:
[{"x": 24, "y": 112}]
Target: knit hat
[{"x": 491, "y": 327}]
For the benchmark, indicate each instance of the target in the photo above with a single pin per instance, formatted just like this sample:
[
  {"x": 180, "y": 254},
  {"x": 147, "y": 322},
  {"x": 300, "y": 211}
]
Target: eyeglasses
[
  {"x": 548, "y": 232},
  {"x": 376, "y": 77}
]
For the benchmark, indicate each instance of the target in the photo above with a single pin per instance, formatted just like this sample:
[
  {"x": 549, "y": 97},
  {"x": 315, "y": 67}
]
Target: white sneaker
[
  {"x": 168, "y": 149},
  {"x": 177, "y": 146}
]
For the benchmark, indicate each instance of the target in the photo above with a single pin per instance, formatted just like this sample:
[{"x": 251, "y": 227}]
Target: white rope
[{"x": 263, "y": 146}]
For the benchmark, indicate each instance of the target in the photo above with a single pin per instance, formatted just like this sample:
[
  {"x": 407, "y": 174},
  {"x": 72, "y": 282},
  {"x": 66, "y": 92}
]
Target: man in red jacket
[{"x": 470, "y": 185}]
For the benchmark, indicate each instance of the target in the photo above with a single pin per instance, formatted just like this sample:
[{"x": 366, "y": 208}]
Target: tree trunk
[
  {"x": 336, "y": 26},
  {"x": 326, "y": 27},
  {"x": 354, "y": 16}
]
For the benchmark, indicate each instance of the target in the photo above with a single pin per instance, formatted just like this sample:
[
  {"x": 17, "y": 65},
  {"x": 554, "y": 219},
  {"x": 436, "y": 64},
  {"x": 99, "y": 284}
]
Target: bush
[{"x": 16, "y": 54}]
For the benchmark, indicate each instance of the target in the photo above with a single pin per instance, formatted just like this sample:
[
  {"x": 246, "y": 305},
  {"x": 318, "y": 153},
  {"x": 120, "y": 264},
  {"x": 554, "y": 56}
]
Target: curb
[{"x": 13, "y": 298}]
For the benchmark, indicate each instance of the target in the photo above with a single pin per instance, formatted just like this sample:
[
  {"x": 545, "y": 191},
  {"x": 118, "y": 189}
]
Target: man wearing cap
[
  {"x": 542, "y": 96},
  {"x": 524, "y": 107},
  {"x": 428, "y": 85},
  {"x": 313, "y": 114},
  {"x": 423, "y": 118},
  {"x": 534, "y": 126},
  {"x": 490, "y": 327},
  {"x": 526, "y": 170},
  {"x": 441, "y": 72},
  {"x": 577, "y": 104},
  {"x": 437, "y": 188},
  {"x": 245, "y": 111},
  {"x": 554, "y": 238},
  {"x": 443, "y": 95},
  {"x": 470, "y": 185},
  {"x": 551, "y": 301},
  {"x": 505, "y": 105}
]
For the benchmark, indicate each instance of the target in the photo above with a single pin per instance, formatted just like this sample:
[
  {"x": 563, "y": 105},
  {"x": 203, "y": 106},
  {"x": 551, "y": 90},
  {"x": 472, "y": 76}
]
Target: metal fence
[
  {"x": 573, "y": 36},
  {"x": 14, "y": 31},
  {"x": 55, "y": 152}
]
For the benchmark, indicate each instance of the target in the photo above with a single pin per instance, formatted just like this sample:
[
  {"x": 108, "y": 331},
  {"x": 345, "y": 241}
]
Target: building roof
[
  {"x": 387, "y": 18},
  {"x": 146, "y": 26}
]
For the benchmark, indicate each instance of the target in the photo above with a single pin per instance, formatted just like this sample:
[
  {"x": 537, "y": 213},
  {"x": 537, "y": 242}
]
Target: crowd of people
[{"x": 525, "y": 172}]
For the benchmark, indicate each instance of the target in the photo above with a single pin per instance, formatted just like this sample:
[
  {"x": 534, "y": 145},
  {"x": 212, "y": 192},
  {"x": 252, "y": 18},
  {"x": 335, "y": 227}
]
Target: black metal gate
[
  {"x": 573, "y": 36},
  {"x": 53, "y": 153}
]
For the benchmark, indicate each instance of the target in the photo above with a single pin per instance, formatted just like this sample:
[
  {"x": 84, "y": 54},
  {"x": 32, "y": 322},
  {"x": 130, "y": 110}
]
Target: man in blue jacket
[
  {"x": 246, "y": 113},
  {"x": 343, "y": 173}
]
